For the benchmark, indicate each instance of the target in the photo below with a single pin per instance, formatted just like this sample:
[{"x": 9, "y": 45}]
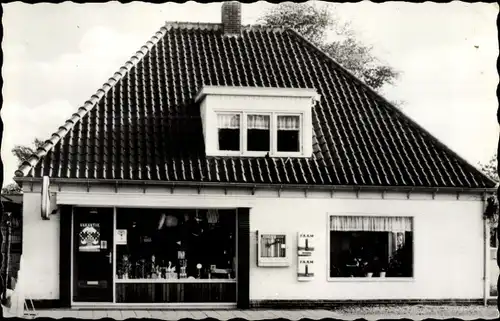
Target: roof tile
[{"x": 143, "y": 123}]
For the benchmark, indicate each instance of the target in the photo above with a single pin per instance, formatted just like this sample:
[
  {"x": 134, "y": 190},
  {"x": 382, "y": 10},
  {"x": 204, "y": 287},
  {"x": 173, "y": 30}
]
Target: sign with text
[
  {"x": 89, "y": 237},
  {"x": 121, "y": 237},
  {"x": 305, "y": 244},
  {"x": 305, "y": 269}
]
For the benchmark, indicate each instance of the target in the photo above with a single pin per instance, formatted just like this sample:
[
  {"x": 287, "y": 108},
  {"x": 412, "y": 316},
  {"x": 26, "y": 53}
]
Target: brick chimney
[{"x": 231, "y": 17}]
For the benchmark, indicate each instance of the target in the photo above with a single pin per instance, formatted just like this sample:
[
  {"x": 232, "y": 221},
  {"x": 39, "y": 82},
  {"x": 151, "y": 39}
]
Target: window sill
[
  {"x": 372, "y": 279},
  {"x": 175, "y": 280},
  {"x": 257, "y": 154}
]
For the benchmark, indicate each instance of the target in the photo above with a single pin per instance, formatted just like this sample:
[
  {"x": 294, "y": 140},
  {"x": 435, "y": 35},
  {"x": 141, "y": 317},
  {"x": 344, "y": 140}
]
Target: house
[{"x": 240, "y": 166}]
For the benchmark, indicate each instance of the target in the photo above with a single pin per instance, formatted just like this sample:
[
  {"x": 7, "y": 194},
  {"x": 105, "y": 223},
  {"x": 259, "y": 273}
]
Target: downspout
[{"x": 486, "y": 248}]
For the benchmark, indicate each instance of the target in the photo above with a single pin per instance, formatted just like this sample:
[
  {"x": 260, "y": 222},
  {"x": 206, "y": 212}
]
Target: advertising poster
[
  {"x": 305, "y": 244},
  {"x": 121, "y": 237},
  {"x": 89, "y": 237},
  {"x": 305, "y": 269}
]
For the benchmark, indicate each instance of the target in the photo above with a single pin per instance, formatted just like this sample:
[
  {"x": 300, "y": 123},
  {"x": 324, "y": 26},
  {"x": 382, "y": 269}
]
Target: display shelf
[{"x": 175, "y": 280}]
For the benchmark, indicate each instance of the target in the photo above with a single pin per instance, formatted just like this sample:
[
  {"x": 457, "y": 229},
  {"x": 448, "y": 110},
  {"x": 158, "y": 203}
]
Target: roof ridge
[
  {"x": 191, "y": 24},
  {"x": 31, "y": 162},
  {"x": 398, "y": 112},
  {"x": 217, "y": 26}
]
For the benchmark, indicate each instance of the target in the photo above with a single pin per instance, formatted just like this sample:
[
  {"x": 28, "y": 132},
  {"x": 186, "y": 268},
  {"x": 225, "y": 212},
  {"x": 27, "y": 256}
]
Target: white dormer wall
[{"x": 273, "y": 101}]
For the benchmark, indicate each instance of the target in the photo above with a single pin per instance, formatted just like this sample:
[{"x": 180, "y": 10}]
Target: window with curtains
[
  {"x": 371, "y": 246},
  {"x": 288, "y": 138},
  {"x": 256, "y": 134},
  {"x": 228, "y": 126}
]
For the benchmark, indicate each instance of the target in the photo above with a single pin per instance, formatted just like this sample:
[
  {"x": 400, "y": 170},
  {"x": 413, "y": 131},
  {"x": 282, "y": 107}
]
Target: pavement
[{"x": 414, "y": 312}]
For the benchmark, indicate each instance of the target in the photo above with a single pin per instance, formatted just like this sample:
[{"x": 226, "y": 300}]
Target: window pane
[
  {"x": 171, "y": 243},
  {"x": 258, "y": 134},
  {"x": 229, "y": 132},
  {"x": 272, "y": 246},
  {"x": 227, "y": 121},
  {"x": 288, "y": 134},
  {"x": 371, "y": 246},
  {"x": 229, "y": 139}
]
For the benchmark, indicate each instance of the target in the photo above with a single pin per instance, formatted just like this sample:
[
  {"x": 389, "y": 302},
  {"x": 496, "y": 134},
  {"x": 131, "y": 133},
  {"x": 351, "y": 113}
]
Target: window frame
[
  {"x": 367, "y": 279},
  {"x": 228, "y": 152},
  {"x": 301, "y": 134},
  {"x": 273, "y": 133}
]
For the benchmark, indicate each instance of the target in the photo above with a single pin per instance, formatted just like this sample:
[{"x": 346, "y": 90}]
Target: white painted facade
[{"x": 449, "y": 250}]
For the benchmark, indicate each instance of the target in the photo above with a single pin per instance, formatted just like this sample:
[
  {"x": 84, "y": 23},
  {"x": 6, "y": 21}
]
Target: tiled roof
[{"x": 144, "y": 124}]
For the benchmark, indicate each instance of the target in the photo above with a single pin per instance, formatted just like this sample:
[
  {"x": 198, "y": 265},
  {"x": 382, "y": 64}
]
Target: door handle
[{"x": 110, "y": 255}]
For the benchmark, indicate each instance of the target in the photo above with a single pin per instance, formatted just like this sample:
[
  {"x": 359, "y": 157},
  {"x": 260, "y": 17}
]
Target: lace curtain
[
  {"x": 228, "y": 121},
  {"x": 288, "y": 122},
  {"x": 258, "y": 122},
  {"x": 371, "y": 224}
]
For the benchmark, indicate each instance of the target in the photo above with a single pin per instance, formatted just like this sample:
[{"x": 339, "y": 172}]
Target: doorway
[{"x": 92, "y": 254}]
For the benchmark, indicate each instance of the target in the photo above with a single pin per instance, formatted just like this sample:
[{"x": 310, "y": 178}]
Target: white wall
[
  {"x": 40, "y": 250},
  {"x": 448, "y": 239},
  {"x": 448, "y": 245}
]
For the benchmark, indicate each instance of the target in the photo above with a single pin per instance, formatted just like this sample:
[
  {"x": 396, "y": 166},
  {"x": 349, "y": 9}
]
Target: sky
[{"x": 57, "y": 55}]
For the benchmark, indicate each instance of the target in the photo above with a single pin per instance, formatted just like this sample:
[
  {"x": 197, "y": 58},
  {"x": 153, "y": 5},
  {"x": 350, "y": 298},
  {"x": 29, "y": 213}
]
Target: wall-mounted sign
[
  {"x": 121, "y": 237},
  {"x": 305, "y": 244},
  {"x": 89, "y": 237},
  {"x": 305, "y": 269}
]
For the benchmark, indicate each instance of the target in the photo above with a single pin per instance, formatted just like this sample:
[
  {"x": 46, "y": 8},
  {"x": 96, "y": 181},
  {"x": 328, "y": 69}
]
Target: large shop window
[
  {"x": 368, "y": 246},
  {"x": 175, "y": 244}
]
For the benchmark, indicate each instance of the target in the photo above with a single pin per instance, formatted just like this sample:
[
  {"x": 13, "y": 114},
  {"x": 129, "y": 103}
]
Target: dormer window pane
[
  {"x": 258, "y": 133},
  {"x": 288, "y": 133},
  {"x": 229, "y": 132}
]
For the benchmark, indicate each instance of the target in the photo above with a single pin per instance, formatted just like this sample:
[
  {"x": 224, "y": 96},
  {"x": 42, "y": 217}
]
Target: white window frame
[
  {"x": 301, "y": 135},
  {"x": 230, "y": 152},
  {"x": 367, "y": 279},
  {"x": 273, "y": 130}
]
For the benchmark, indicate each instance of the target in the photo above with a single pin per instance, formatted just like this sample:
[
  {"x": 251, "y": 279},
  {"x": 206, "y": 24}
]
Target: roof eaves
[
  {"x": 32, "y": 161},
  {"x": 397, "y": 111}
]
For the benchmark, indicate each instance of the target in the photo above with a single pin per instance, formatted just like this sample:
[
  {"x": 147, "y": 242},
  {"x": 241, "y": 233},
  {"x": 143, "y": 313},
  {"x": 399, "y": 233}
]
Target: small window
[
  {"x": 288, "y": 133},
  {"x": 258, "y": 133},
  {"x": 229, "y": 132}
]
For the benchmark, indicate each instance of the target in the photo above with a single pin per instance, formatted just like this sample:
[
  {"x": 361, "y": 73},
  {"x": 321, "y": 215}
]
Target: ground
[{"x": 414, "y": 312}]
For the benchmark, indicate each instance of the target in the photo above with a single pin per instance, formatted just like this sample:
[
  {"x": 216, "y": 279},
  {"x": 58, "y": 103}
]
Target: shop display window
[
  {"x": 175, "y": 244},
  {"x": 365, "y": 246}
]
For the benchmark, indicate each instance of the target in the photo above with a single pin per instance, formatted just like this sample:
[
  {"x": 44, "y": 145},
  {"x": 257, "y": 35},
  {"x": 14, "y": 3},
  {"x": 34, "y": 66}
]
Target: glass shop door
[{"x": 92, "y": 254}]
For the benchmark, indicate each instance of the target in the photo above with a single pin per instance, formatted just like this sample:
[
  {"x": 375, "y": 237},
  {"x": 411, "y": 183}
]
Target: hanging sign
[
  {"x": 89, "y": 237},
  {"x": 121, "y": 237},
  {"x": 305, "y": 269},
  {"x": 305, "y": 244}
]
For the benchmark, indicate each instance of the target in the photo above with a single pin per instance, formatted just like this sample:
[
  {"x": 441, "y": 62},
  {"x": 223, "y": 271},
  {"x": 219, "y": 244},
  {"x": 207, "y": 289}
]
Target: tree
[
  {"x": 315, "y": 23},
  {"x": 22, "y": 153},
  {"x": 490, "y": 169}
]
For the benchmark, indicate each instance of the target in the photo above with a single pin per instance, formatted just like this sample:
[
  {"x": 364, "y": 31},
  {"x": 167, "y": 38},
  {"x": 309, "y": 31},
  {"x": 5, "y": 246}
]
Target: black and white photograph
[{"x": 288, "y": 160}]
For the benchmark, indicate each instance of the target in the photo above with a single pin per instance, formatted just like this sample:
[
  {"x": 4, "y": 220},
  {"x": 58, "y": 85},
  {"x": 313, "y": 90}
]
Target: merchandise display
[{"x": 176, "y": 244}]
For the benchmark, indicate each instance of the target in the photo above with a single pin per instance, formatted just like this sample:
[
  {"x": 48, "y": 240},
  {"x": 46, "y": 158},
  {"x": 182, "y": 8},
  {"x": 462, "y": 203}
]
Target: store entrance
[{"x": 92, "y": 254}]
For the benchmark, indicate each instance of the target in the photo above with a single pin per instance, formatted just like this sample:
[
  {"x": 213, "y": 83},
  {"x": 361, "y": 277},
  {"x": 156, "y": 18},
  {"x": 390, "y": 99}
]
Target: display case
[{"x": 272, "y": 249}]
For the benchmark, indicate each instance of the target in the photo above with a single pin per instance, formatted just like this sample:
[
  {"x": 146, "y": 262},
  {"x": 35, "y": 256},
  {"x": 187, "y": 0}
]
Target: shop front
[{"x": 141, "y": 256}]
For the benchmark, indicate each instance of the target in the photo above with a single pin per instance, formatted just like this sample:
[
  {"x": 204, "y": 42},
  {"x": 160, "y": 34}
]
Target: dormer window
[{"x": 254, "y": 122}]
